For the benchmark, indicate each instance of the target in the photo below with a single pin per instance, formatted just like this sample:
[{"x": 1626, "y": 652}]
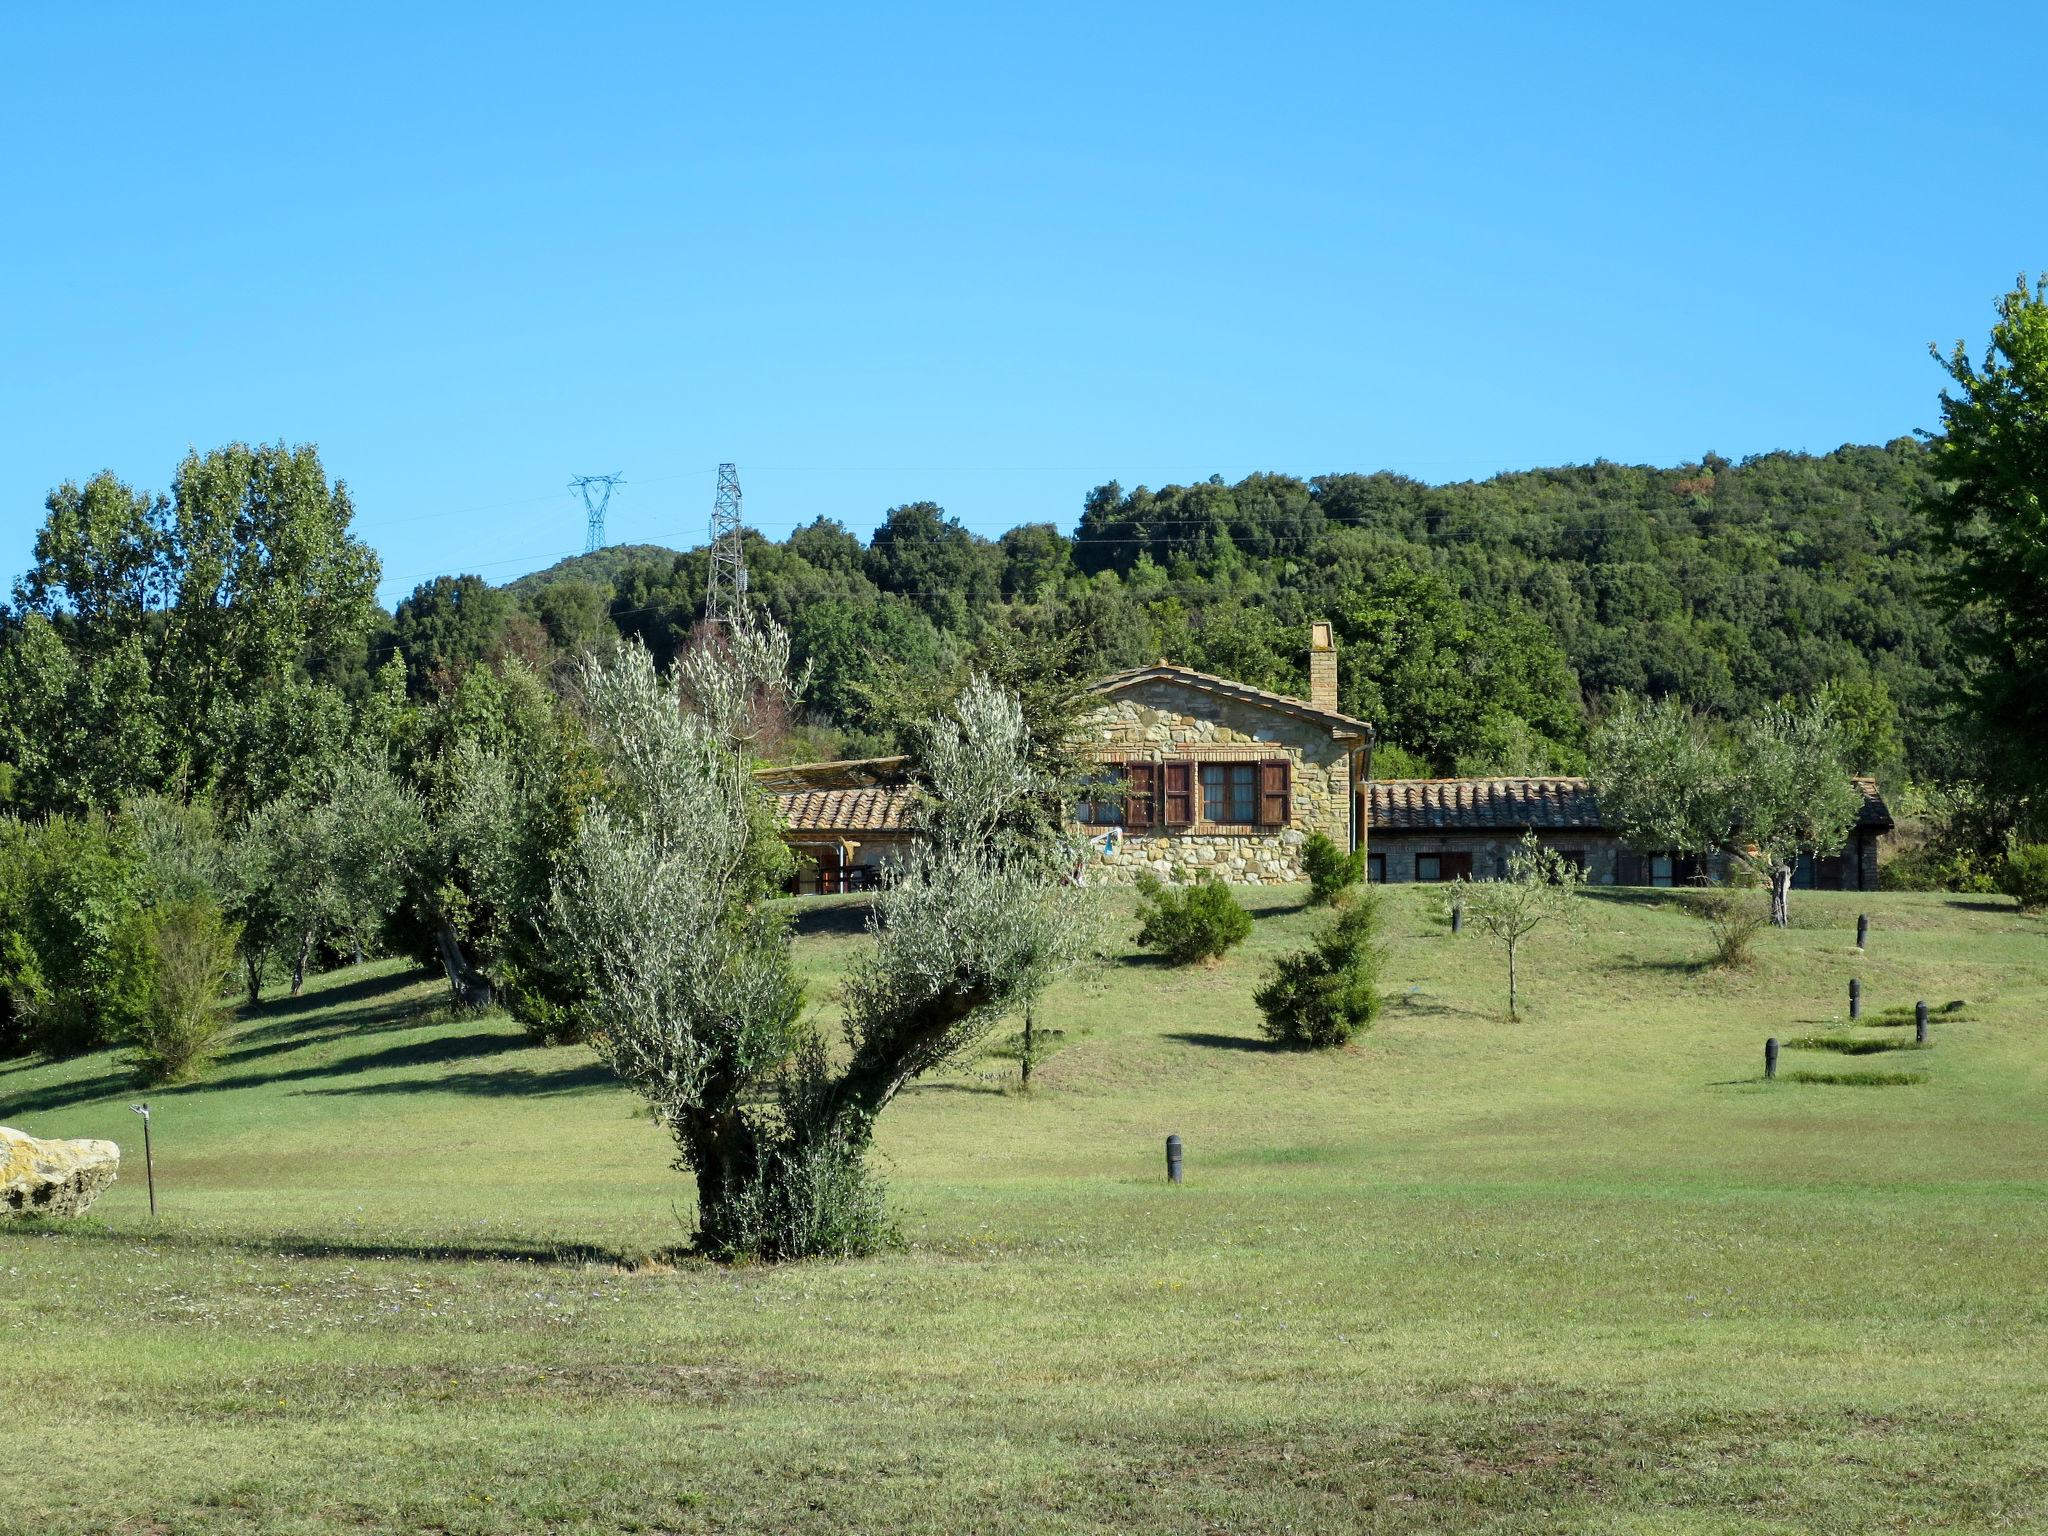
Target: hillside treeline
[{"x": 1481, "y": 625}]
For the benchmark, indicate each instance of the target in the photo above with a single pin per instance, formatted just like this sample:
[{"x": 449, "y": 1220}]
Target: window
[
  {"x": 1230, "y": 794},
  {"x": 1375, "y": 869},
  {"x": 1102, "y": 797},
  {"x": 1663, "y": 869},
  {"x": 1434, "y": 867}
]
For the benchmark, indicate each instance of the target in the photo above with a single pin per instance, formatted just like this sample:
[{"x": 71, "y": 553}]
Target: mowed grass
[{"x": 1587, "y": 1273}]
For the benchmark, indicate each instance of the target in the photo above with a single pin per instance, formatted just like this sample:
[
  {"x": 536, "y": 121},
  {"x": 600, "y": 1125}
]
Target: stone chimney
[{"x": 1322, "y": 667}]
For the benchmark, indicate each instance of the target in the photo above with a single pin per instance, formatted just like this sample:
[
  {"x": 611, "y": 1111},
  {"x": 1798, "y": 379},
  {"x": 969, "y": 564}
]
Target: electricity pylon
[
  {"x": 597, "y": 494},
  {"x": 726, "y": 589}
]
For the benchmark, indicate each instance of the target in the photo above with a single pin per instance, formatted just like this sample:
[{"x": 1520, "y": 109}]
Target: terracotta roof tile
[
  {"x": 1457, "y": 804},
  {"x": 881, "y": 809},
  {"x": 1556, "y": 803}
]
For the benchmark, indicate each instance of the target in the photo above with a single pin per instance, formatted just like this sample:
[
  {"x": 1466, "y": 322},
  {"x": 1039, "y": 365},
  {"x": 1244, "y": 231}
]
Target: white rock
[{"x": 53, "y": 1178}]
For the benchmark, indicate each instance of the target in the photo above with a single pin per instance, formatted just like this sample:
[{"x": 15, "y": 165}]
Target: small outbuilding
[{"x": 1441, "y": 829}]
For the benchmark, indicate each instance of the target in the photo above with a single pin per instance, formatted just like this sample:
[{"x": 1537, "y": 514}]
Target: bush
[
  {"x": 183, "y": 952},
  {"x": 1329, "y": 871},
  {"x": 1198, "y": 922},
  {"x": 1734, "y": 918},
  {"x": 1329, "y": 992},
  {"x": 2024, "y": 875},
  {"x": 69, "y": 889}
]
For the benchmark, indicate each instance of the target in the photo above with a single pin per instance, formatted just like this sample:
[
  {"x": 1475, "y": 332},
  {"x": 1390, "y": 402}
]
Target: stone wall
[{"x": 1160, "y": 720}]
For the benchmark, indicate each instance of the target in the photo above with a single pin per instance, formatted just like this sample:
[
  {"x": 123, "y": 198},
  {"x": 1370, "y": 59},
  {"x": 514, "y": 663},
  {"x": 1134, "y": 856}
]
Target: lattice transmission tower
[
  {"x": 727, "y": 587},
  {"x": 596, "y": 491}
]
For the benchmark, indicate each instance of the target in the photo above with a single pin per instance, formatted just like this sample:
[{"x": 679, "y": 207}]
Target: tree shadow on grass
[
  {"x": 1293, "y": 908},
  {"x": 511, "y": 1250},
  {"x": 53, "y": 1096},
  {"x": 1631, "y": 895},
  {"x": 419, "y": 1053},
  {"x": 1984, "y": 904},
  {"x": 984, "y": 1088},
  {"x": 513, "y": 1082},
  {"x": 1662, "y": 967},
  {"x": 1225, "y": 1042},
  {"x": 841, "y": 920},
  {"x": 1427, "y": 1005},
  {"x": 314, "y": 999}
]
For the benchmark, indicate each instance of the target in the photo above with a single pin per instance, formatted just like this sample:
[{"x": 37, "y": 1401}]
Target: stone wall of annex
[{"x": 1159, "y": 720}]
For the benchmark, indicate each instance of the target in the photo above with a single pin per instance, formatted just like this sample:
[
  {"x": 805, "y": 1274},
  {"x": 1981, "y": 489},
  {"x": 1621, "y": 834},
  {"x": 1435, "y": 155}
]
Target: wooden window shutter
[
  {"x": 1275, "y": 785},
  {"x": 1180, "y": 794},
  {"x": 1457, "y": 866},
  {"x": 1138, "y": 788}
]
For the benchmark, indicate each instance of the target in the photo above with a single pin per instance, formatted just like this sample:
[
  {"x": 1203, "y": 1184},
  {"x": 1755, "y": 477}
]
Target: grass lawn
[{"x": 1587, "y": 1273}]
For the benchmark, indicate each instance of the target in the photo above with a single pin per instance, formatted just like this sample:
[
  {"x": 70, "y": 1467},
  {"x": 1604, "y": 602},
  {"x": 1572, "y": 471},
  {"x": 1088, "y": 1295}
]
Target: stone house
[
  {"x": 1201, "y": 773},
  {"x": 1195, "y": 772},
  {"x": 1439, "y": 829}
]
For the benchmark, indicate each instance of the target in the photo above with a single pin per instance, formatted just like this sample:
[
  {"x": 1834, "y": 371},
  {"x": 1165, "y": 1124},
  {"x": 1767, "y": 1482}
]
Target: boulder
[{"x": 53, "y": 1178}]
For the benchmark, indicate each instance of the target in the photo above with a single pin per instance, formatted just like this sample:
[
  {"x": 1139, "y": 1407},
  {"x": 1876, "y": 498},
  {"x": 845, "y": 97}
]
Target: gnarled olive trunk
[
  {"x": 470, "y": 987},
  {"x": 1781, "y": 895}
]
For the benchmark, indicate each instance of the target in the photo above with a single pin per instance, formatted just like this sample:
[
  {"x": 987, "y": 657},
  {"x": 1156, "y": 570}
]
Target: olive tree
[
  {"x": 1770, "y": 788},
  {"x": 691, "y": 987},
  {"x": 324, "y": 862},
  {"x": 1541, "y": 886}
]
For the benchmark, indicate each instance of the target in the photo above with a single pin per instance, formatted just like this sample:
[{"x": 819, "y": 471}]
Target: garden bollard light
[
  {"x": 1855, "y": 1000},
  {"x": 1770, "y": 1058},
  {"x": 1173, "y": 1159},
  {"x": 148, "y": 1157},
  {"x": 1920, "y": 1022},
  {"x": 1862, "y": 929},
  {"x": 1457, "y": 916}
]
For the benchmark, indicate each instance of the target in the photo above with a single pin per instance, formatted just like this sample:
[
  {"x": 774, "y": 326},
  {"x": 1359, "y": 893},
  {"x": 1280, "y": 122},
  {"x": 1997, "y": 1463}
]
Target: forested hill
[{"x": 1480, "y": 624}]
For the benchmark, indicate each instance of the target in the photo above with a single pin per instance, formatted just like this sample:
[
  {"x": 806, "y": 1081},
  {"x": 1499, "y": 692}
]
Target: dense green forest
[{"x": 1481, "y": 624}]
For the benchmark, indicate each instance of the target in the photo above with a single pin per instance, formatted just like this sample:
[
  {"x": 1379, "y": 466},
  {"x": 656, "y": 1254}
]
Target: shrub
[
  {"x": 1327, "y": 993},
  {"x": 1202, "y": 921},
  {"x": 1329, "y": 871},
  {"x": 69, "y": 888},
  {"x": 2024, "y": 875},
  {"x": 183, "y": 953},
  {"x": 1733, "y": 917}
]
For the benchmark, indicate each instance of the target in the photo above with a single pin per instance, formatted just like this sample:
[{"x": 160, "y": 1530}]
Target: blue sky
[{"x": 986, "y": 257}]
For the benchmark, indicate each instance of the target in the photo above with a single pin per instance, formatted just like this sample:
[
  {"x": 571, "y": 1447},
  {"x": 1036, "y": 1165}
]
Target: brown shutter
[
  {"x": 1274, "y": 784},
  {"x": 1138, "y": 788},
  {"x": 1457, "y": 866},
  {"x": 1180, "y": 794},
  {"x": 1628, "y": 867}
]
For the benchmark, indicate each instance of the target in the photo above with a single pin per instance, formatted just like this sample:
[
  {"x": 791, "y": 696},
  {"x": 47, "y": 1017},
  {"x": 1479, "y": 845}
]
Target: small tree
[
  {"x": 1202, "y": 921},
  {"x": 185, "y": 950},
  {"x": 692, "y": 986},
  {"x": 1327, "y": 993},
  {"x": 1329, "y": 871},
  {"x": 1733, "y": 917},
  {"x": 1541, "y": 886},
  {"x": 1774, "y": 787}
]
